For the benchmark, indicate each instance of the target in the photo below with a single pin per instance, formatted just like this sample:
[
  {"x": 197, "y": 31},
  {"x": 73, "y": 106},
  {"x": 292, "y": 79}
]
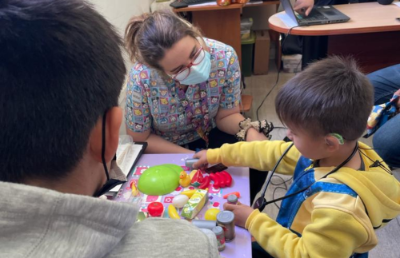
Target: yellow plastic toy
[
  {"x": 184, "y": 179},
  {"x": 172, "y": 213},
  {"x": 188, "y": 193},
  {"x": 211, "y": 214}
]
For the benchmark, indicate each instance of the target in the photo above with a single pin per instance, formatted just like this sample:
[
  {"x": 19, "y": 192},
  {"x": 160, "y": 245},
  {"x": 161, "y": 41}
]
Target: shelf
[{"x": 217, "y": 7}]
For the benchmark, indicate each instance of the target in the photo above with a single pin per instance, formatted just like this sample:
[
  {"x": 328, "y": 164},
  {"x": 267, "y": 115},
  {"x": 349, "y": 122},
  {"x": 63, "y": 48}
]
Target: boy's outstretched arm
[{"x": 261, "y": 155}]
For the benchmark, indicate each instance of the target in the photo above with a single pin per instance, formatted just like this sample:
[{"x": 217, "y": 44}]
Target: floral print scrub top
[{"x": 159, "y": 104}]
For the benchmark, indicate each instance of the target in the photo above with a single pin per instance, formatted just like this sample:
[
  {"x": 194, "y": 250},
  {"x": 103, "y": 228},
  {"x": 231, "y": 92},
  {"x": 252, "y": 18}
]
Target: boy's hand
[
  {"x": 301, "y": 5},
  {"x": 241, "y": 211},
  {"x": 202, "y": 156}
]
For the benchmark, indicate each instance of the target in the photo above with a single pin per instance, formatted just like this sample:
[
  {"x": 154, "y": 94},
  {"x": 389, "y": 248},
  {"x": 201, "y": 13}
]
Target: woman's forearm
[
  {"x": 157, "y": 144},
  {"x": 230, "y": 125}
]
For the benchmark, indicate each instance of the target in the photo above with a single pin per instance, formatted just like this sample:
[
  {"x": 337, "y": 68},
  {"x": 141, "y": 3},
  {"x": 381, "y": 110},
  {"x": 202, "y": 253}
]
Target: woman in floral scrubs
[
  {"x": 163, "y": 110},
  {"x": 183, "y": 91}
]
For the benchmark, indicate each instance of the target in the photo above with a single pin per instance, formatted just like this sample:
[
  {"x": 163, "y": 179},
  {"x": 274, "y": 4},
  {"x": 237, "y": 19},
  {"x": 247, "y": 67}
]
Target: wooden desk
[
  {"x": 221, "y": 23},
  {"x": 372, "y": 36},
  {"x": 240, "y": 246}
]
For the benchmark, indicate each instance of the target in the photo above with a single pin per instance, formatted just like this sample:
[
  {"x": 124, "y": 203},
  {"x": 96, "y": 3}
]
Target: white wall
[{"x": 118, "y": 13}]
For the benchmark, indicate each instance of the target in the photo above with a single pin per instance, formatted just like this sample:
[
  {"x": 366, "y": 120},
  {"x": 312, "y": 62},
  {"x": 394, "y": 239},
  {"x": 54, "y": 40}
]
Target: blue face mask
[{"x": 199, "y": 73}]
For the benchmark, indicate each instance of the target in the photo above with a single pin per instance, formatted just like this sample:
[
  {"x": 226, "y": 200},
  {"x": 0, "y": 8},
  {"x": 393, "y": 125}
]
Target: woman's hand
[
  {"x": 241, "y": 211},
  {"x": 301, "y": 5},
  {"x": 202, "y": 156}
]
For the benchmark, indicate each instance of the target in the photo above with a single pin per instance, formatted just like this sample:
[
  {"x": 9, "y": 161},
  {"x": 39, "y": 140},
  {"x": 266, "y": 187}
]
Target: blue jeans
[{"x": 386, "y": 140}]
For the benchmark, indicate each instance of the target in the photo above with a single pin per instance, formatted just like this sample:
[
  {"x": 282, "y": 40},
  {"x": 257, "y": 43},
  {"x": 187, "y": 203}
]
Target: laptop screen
[{"x": 287, "y": 6}]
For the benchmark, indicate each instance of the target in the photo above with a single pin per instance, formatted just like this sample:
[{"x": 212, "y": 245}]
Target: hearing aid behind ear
[{"x": 338, "y": 137}]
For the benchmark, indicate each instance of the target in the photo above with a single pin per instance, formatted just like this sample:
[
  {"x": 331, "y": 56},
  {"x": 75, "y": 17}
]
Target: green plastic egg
[{"x": 159, "y": 180}]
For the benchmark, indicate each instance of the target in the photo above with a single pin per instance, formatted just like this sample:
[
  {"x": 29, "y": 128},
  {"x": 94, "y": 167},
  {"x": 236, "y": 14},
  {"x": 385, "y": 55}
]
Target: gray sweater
[{"x": 36, "y": 222}]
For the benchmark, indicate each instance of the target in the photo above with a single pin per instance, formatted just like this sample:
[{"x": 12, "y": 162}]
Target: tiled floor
[{"x": 258, "y": 87}]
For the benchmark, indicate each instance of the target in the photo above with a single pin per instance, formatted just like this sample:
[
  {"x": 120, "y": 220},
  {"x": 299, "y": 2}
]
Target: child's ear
[{"x": 332, "y": 143}]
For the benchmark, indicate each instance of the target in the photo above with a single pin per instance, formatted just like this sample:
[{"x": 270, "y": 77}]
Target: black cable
[
  {"x": 325, "y": 176},
  {"x": 283, "y": 180},
  {"x": 281, "y": 183},
  {"x": 103, "y": 145},
  {"x": 273, "y": 196},
  {"x": 377, "y": 163},
  {"x": 277, "y": 77}
]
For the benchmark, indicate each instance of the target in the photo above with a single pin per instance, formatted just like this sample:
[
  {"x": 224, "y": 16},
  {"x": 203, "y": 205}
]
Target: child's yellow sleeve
[
  {"x": 261, "y": 155},
  {"x": 331, "y": 234}
]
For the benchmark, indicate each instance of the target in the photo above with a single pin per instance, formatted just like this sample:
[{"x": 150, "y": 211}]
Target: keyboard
[
  {"x": 186, "y": 3},
  {"x": 314, "y": 16}
]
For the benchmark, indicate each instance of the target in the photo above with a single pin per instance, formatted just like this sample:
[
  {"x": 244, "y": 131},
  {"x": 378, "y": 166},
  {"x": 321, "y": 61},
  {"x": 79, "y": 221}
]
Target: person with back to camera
[
  {"x": 386, "y": 140},
  {"x": 342, "y": 190},
  {"x": 61, "y": 73},
  {"x": 184, "y": 90}
]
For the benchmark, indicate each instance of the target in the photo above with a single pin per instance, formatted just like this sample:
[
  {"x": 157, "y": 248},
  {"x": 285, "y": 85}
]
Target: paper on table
[
  {"x": 127, "y": 153},
  {"x": 204, "y": 4},
  {"x": 255, "y": 2},
  {"x": 287, "y": 20}
]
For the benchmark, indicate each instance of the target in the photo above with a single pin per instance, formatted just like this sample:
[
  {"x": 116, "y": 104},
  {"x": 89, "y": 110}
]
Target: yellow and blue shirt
[{"x": 335, "y": 217}]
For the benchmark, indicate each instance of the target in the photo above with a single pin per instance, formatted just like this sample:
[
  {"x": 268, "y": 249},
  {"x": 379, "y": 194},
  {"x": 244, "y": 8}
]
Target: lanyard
[{"x": 261, "y": 202}]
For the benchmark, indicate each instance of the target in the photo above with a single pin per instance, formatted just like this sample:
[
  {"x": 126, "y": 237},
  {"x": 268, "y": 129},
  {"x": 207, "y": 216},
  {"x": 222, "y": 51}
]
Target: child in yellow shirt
[{"x": 341, "y": 192}]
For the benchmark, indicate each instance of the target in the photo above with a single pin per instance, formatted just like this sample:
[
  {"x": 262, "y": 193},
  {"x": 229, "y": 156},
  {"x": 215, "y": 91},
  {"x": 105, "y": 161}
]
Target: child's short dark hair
[
  {"x": 329, "y": 96},
  {"x": 61, "y": 68}
]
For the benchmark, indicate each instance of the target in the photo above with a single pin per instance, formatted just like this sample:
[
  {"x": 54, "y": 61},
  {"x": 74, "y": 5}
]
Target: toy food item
[
  {"x": 232, "y": 199},
  {"x": 192, "y": 173},
  {"x": 184, "y": 179},
  {"x": 221, "y": 180},
  {"x": 219, "y": 233},
  {"x": 189, "y": 163},
  {"x": 135, "y": 191},
  {"x": 205, "y": 183},
  {"x": 155, "y": 209},
  {"x": 180, "y": 200},
  {"x": 215, "y": 179},
  {"x": 204, "y": 223},
  {"x": 197, "y": 178},
  {"x": 195, "y": 204},
  {"x": 223, "y": 2},
  {"x": 211, "y": 214},
  {"x": 172, "y": 213},
  {"x": 159, "y": 180},
  {"x": 228, "y": 178},
  {"x": 235, "y": 193},
  {"x": 141, "y": 216},
  {"x": 188, "y": 193},
  {"x": 226, "y": 219}
]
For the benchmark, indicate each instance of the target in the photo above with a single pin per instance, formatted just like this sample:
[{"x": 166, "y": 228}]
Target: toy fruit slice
[{"x": 197, "y": 178}]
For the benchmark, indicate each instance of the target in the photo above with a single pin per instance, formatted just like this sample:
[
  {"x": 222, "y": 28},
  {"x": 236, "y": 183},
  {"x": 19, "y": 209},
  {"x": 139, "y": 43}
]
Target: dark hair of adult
[
  {"x": 148, "y": 36},
  {"x": 61, "y": 68}
]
